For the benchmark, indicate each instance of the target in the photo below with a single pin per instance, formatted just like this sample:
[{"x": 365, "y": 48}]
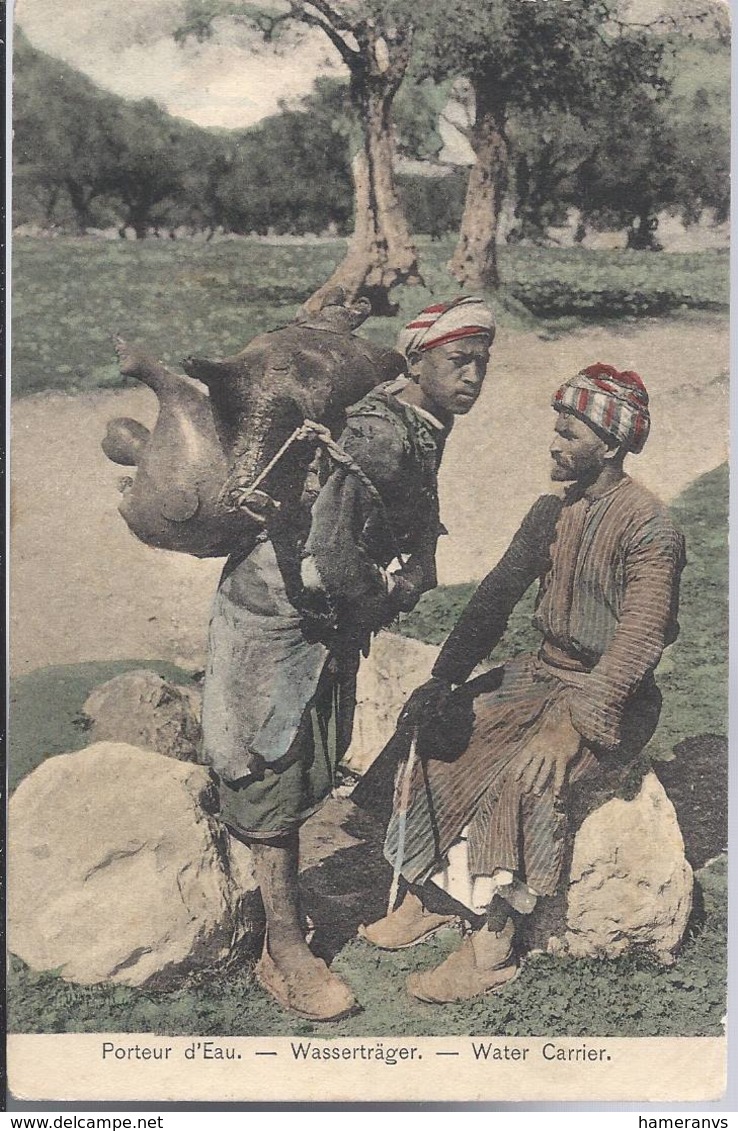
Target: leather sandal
[
  {"x": 310, "y": 989},
  {"x": 406, "y": 926},
  {"x": 461, "y": 977}
]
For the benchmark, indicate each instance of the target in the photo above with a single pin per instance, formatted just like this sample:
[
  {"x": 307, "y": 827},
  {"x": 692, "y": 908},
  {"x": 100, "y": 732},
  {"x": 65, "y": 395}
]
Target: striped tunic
[{"x": 608, "y": 570}]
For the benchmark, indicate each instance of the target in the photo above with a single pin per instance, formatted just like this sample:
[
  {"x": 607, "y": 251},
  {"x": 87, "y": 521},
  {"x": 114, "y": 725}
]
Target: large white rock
[
  {"x": 118, "y": 871},
  {"x": 396, "y": 665},
  {"x": 630, "y": 883},
  {"x": 143, "y": 709}
]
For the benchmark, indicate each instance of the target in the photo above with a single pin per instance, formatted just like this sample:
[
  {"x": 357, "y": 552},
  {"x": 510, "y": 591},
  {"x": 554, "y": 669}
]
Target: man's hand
[
  {"x": 550, "y": 752},
  {"x": 430, "y": 699},
  {"x": 408, "y": 586}
]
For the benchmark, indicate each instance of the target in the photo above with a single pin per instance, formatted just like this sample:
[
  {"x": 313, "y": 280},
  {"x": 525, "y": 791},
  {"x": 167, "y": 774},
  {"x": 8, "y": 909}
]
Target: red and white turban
[
  {"x": 445, "y": 322},
  {"x": 614, "y": 403}
]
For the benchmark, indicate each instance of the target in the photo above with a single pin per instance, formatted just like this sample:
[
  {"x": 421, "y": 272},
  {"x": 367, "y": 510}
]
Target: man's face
[
  {"x": 578, "y": 453},
  {"x": 451, "y": 376}
]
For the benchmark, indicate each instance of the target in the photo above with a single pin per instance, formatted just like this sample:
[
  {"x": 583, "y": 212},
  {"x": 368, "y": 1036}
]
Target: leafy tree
[
  {"x": 417, "y": 111},
  {"x": 518, "y": 55},
  {"x": 94, "y": 158},
  {"x": 433, "y": 204},
  {"x": 700, "y": 111},
  {"x": 290, "y": 173},
  {"x": 205, "y": 159},
  {"x": 64, "y": 127},
  {"x": 672, "y": 155},
  {"x": 631, "y": 158},
  {"x": 376, "y": 50},
  {"x": 548, "y": 150},
  {"x": 149, "y": 166}
]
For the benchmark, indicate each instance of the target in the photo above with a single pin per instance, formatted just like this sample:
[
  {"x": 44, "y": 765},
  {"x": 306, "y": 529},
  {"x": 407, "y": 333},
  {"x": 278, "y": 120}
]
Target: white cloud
[{"x": 129, "y": 48}]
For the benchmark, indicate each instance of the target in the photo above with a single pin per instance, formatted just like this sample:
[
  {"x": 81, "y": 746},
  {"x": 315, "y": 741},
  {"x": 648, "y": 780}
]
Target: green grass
[
  {"x": 693, "y": 674},
  {"x": 631, "y": 996},
  {"x": 179, "y": 298}
]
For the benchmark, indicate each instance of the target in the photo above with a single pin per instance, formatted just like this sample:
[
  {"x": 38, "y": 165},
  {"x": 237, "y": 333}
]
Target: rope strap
[{"x": 312, "y": 430}]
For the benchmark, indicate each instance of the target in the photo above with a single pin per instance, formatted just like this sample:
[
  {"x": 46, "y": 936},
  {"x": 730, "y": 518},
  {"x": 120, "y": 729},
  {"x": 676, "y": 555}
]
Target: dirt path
[{"x": 83, "y": 588}]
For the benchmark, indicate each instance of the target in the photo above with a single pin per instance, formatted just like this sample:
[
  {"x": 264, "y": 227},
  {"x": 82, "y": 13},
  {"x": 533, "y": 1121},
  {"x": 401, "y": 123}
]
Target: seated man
[{"x": 489, "y": 827}]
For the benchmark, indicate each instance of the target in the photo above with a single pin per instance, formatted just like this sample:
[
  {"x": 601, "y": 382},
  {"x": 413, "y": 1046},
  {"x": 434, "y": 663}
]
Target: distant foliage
[
  {"x": 634, "y": 157},
  {"x": 433, "y": 205},
  {"x": 86, "y": 159},
  {"x": 290, "y": 174}
]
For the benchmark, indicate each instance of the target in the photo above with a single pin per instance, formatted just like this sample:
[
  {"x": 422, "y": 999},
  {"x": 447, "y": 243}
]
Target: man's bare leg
[{"x": 288, "y": 969}]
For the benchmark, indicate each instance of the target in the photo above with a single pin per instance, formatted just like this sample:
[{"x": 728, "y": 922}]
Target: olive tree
[
  {"x": 518, "y": 55},
  {"x": 375, "y": 48}
]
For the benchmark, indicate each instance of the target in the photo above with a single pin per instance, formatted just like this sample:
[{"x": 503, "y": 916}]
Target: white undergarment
[{"x": 474, "y": 892}]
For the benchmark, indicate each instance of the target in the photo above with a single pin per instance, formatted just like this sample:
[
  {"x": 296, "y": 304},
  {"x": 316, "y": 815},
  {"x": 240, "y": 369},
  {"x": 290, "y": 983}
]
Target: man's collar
[
  {"x": 401, "y": 383},
  {"x": 573, "y": 492},
  {"x": 432, "y": 420}
]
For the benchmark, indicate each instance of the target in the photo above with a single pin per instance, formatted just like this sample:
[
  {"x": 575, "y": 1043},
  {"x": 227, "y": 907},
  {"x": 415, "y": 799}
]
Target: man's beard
[
  {"x": 563, "y": 474},
  {"x": 583, "y": 472}
]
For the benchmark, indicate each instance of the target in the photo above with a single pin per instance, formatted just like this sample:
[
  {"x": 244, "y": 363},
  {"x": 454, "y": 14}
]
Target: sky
[{"x": 128, "y": 47}]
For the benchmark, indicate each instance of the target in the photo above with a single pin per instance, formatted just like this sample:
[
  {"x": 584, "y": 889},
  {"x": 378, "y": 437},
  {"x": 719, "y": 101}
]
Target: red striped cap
[
  {"x": 614, "y": 403},
  {"x": 446, "y": 322}
]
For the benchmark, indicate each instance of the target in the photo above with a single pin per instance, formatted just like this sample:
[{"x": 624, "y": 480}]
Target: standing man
[
  {"x": 279, "y": 692},
  {"x": 489, "y": 829}
]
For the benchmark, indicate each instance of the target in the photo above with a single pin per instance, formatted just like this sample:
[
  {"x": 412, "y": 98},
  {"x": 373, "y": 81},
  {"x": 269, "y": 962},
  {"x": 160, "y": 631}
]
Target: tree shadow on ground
[
  {"x": 696, "y": 782},
  {"x": 351, "y": 885}
]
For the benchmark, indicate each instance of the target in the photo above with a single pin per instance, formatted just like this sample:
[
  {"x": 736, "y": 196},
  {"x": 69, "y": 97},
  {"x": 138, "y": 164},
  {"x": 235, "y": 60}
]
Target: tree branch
[
  {"x": 399, "y": 49},
  {"x": 334, "y": 17},
  {"x": 299, "y": 11}
]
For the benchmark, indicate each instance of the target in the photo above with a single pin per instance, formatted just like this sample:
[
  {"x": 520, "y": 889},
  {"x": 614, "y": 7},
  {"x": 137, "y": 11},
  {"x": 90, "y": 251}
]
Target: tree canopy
[
  {"x": 617, "y": 124},
  {"x": 522, "y": 57},
  {"x": 96, "y": 159}
]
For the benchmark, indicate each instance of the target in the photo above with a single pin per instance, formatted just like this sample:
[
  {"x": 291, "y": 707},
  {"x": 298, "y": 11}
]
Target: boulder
[
  {"x": 630, "y": 884},
  {"x": 395, "y": 667},
  {"x": 120, "y": 872},
  {"x": 143, "y": 709}
]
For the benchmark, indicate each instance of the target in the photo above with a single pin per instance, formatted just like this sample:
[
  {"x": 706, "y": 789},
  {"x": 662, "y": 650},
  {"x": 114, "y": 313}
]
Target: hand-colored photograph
[{"x": 369, "y": 551}]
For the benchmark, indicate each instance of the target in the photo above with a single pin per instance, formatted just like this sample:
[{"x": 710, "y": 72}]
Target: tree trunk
[
  {"x": 51, "y": 202},
  {"x": 80, "y": 201},
  {"x": 474, "y": 262},
  {"x": 643, "y": 237},
  {"x": 380, "y": 254},
  {"x": 138, "y": 219}
]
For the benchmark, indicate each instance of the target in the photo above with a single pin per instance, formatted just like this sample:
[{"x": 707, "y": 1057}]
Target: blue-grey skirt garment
[{"x": 277, "y": 707}]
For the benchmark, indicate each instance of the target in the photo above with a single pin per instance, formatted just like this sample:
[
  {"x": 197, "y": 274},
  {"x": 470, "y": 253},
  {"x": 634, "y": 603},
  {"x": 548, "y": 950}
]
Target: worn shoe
[
  {"x": 309, "y": 988},
  {"x": 408, "y": 925},
  {"x": 480, "y": 966}
]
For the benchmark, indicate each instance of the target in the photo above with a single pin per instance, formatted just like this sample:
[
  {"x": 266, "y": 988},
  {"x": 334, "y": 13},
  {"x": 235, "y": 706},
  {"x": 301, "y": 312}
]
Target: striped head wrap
[
  {"x": 445, "y": 322},
  {"x": 613, "y": 403}
]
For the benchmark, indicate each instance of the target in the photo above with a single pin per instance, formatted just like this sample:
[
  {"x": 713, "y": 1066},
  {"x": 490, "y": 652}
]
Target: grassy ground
[
  {"x": 178, "y": 298},
  {"x": 552, "y": 997},
  {"x": 630, "y": 996}
]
